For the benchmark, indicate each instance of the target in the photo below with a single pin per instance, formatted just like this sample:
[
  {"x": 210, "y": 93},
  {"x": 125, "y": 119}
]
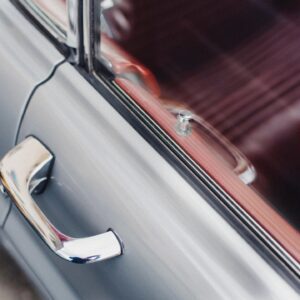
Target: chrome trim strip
[
  {"x": 55, "y": 29},
  {"x": 25, "y": 170},
  {"x": 87, "y": 8},
  {"x": 72, "y": 34}
]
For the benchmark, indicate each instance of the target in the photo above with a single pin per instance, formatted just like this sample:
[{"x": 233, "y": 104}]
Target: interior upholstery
[{"x": 235, "y": 63}]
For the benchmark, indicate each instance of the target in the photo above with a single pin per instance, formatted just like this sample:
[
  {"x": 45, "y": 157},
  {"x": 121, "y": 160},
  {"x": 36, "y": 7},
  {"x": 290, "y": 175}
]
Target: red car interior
[{"x": 236, "y": 64}]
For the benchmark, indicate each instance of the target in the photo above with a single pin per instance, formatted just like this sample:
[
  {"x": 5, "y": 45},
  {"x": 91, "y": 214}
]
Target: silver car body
[{"x": 107, "y": 175}]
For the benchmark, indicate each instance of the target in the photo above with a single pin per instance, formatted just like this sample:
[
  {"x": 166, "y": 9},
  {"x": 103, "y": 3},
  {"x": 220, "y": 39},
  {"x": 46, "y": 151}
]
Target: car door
[
  {"x": 111, "y": 172},
  {"x": 105, "y": 176},
  {"x": 27, "y": 58}
]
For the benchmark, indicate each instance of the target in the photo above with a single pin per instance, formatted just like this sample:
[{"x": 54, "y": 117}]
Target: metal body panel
[
  {"x": 106, "y": 175},
  {"x": 27, "y": 57}
]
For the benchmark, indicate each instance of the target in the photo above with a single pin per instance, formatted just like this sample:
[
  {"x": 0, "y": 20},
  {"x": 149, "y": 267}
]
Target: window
[{"x": 222, "y": 78}]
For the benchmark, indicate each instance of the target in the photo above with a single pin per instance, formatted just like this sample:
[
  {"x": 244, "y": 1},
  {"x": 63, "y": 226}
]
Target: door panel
[
  {"x": 27, "y": 57},
  {"x": 106, "y": 175}
]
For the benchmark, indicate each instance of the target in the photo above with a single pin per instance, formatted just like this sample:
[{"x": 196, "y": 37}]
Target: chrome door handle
[
  {"x": 26, "y": 169},
  {"x": 243, "y": 167}
]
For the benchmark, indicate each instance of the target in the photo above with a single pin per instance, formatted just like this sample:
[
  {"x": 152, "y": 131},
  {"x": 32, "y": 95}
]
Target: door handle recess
[{"x": 26, "y": 169}]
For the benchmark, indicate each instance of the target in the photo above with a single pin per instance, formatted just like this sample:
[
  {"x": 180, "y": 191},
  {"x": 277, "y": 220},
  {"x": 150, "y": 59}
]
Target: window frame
[{"x": 71, "y": 36}]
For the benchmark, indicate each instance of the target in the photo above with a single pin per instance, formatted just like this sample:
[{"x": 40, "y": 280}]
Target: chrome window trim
[
  {"x": 54, "y": 29},
  {"x": 90, "y": 37},
  {"x": 72, "y": 37},
  {"x": 87, "y": 32}
]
